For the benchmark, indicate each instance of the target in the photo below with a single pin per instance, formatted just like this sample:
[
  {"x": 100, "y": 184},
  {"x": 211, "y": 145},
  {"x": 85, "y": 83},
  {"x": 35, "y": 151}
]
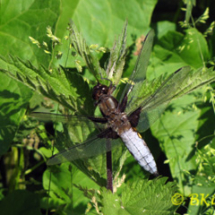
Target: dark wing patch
[
  {"x": 134, "y": 117},
  {"x": 108, "y": 133}
]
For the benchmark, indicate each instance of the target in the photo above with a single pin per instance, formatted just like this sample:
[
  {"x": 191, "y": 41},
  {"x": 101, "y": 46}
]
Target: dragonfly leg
[
  {"x": 123, "y": 104},
  {"x": 97, "y": 119}
]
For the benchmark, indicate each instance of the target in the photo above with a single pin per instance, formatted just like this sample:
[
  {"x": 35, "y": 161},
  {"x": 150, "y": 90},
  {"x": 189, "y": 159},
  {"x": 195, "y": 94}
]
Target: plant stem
[{"x": 109, "y": 166}]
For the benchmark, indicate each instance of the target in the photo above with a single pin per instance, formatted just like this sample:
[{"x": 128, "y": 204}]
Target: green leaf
[
  {"x": 14, "y": 99},
  {"x": 83, "y": 50},
  {"x": 195, "y": 48},
  {"x": 117, "y": 57},
  {"x": 62, "y": 189},
  {"x": 179, "y": 140},
  {"x": 64, "y": 86},
  {"x": 91, "y": 159},
  {"x": 201, "y": 199},
  {"x": 101, "y": 21},
  {"x": 138, "y": 198},
  {"x": 175, "y": 50},
  {"x": 163, "y": 27},
  {"x": 23, "y": 19},
  {"x": 206, "y": 123}
]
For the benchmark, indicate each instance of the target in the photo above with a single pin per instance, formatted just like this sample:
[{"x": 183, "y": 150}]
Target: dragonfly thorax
[
  {"x": 119, "y": 123},
  {"x": 109, "y": 108}
]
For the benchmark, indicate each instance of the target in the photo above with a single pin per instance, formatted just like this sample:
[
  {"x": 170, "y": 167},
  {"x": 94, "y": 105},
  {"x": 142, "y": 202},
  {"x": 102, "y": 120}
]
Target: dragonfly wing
[
  {"x": 57, "y": 117},
  {"x": 147, "y": 118},
  {"x": 139, "y": 72},
  {"x": 90, "y": 148},
  {"x": 71, "y": 120},
  {"x": 153, "y": 106}
]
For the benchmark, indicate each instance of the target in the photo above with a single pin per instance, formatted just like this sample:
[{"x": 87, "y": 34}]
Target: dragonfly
[{"x": 134, "y": 112}]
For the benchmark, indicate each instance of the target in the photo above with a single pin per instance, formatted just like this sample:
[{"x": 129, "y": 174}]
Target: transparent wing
[
  {"x": 139, "y": 72},
  {"x": 153, "y": 105},
  {"x": 90, "y": 148},
  {"x": 77, "y": 129},
  {"x": 71, "y": 120},
  {"x": 58, "y": 117}
]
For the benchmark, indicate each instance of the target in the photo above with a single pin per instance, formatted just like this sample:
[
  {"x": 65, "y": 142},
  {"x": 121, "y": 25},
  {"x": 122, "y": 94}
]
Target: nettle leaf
[
  {"x": 138, "y": 198},
  {"x": 117, "y": 57},
  {"x": 62, "y": 85},
  {"x": 83, "y": 50}
]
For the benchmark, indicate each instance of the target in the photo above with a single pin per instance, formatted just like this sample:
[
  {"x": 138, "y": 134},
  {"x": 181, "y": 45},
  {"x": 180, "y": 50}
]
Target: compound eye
[{"x": 104, "y": 90}]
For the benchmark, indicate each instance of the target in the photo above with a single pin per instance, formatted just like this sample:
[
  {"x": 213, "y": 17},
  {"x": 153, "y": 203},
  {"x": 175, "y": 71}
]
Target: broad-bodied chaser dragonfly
[{"x": 119, "y": 123}]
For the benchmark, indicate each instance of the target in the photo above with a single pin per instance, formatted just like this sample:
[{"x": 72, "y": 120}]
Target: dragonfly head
[{"x": 99, "y": 90}]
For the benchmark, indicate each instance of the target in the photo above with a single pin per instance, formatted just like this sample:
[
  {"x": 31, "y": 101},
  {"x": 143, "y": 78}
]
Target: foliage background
[{"x": 25, "y": 181}]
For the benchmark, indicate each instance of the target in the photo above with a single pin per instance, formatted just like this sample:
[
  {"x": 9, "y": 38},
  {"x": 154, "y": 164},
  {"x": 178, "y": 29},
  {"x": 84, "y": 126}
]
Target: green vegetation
[{"x": 49, "y": 66}]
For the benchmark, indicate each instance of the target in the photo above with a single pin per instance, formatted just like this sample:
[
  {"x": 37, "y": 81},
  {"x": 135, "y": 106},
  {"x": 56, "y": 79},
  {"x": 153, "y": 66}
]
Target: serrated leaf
[
  {"x": 53, "y": 84},
  {"x": 117, "y": 57},
  {"x": 140, "y": 197},
  {"x": 83, "y": 50}
]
